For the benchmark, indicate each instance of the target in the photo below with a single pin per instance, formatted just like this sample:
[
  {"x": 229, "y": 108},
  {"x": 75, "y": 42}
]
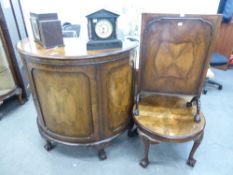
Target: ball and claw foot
[
  {"x": 191, "y": 162},
  {"x": 48, "y": 146},
  {"x": 197, "y": 118},
  {"x": 102, "y": 155},
  {"x": 144, "y": 163}
]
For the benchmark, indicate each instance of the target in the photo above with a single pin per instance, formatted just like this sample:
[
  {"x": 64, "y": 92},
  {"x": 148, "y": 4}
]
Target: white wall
[{"x": 74, "y": 11}]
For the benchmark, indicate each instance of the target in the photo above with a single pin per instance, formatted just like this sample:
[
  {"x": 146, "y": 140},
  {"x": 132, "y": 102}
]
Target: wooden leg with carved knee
[
  {"x": 145, "y": 161},
  {"x": 197, "y": 141}
]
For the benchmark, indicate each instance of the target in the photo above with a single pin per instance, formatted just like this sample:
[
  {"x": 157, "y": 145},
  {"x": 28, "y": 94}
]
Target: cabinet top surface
[{"x": 73, "y": 49}]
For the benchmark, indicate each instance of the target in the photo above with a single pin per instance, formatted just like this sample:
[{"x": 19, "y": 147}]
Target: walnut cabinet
[{"x": 82, "y": 97}]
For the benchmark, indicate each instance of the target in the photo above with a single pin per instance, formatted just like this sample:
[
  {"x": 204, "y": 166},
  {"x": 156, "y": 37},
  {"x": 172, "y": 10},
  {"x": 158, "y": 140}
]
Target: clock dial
[{"x": 103, "y": 28}]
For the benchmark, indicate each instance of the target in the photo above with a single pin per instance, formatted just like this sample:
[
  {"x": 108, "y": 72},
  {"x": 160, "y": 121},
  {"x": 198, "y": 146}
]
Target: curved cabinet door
[
  {"x": 116, "y": 78},
  {"x": 66, "y": 99}
]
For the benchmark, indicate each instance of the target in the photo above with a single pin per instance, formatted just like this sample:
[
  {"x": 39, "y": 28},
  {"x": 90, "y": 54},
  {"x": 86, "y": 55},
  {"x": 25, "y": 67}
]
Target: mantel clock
[{"x": 102, "y": 30}]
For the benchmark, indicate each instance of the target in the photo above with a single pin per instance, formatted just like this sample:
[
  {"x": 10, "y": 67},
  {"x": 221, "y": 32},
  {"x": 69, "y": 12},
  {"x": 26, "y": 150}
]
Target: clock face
[{"x": 103, "y": 28}]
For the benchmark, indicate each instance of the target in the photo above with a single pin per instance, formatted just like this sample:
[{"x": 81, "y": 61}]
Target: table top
[{"x": 73, "y": 48}]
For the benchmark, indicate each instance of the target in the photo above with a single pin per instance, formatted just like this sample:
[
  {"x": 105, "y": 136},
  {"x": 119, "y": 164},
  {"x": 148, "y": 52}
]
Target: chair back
[{"x": 175, "y": 52}]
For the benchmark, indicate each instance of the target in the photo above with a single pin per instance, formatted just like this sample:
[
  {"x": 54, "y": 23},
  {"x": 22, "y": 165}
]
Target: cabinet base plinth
[{"x": 99, "y": 145}]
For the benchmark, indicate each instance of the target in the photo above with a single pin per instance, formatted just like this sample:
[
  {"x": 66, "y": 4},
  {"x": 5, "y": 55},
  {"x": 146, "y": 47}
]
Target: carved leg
[
  {"x": 145, "y": 161},
  {"x": 197, "y": 141},
  {"x": 48, "y": 146},
  {"x": 132, "y": 132}
]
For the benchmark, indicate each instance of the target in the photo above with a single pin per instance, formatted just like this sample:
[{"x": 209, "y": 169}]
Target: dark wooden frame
[
  {"x": 8, "y": 51},
  {"x": 20, "y": 88}
]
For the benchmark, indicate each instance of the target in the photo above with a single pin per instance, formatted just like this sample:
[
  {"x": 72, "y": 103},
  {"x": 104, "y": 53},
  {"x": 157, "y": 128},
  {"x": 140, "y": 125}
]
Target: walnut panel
[
  {"x": 119, "y": 91},
  {"x": 65, "y": 98},
  {"x": 174, "y": 57},
  {"x": 118, "y": 99}
]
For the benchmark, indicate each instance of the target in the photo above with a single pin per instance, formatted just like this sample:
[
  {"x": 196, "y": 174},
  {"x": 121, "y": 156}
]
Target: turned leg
[
  {"x": 145, "y": 161},
  {"x": 48, "y": 146},
  {"x": 197, "y": 141}
]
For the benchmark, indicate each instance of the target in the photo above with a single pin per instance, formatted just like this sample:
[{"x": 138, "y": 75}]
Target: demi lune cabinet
[{"x": 82, "y": 97}]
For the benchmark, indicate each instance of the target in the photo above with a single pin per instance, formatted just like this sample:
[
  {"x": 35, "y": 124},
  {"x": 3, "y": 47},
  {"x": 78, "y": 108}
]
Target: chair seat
[{"x": 168, "y": 117}]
